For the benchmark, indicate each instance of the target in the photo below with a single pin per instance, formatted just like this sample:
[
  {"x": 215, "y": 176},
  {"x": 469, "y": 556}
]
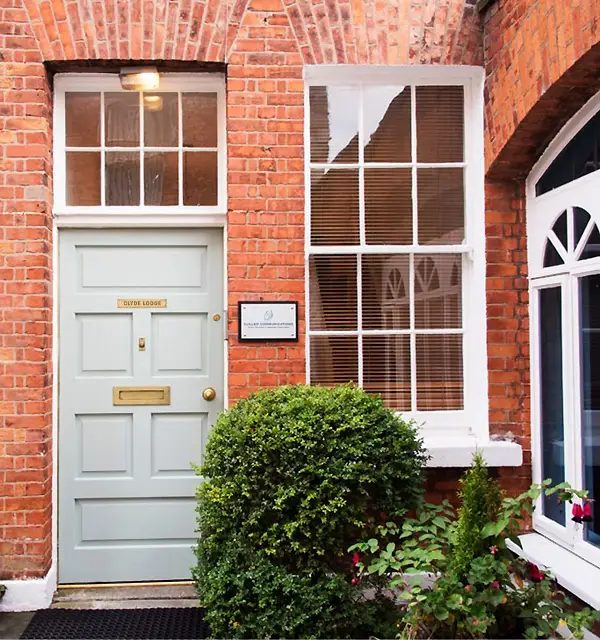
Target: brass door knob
[{"x": 209, "y": 394}]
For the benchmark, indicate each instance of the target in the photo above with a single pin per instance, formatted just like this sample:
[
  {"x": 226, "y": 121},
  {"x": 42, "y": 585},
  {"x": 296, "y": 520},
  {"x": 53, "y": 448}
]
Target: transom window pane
[
  {"x": 386, "y": 227},
  {"x": 118, "y": 141}
]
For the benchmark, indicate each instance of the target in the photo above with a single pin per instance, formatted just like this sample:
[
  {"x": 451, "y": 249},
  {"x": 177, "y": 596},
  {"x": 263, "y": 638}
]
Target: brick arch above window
[
  {"x": 542, "y": 66},
  {"x": 338, "y": 31}
]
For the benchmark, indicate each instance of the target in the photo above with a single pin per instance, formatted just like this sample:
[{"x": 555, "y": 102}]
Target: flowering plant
[{"x": 458, "y": 578}]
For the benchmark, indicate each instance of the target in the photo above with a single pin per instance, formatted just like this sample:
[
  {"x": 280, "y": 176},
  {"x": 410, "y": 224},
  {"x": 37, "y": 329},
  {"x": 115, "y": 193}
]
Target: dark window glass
[
  {"x": 580, "y": 220},
  {"x": 592, "y": 246},
  {"x": 589, "y": 298},
  {"x": 551, "y": 397},
  {"x": 551, "y": 255},
  {"x": 577, "y": 159},
  {"x": 560, "y": 228}
]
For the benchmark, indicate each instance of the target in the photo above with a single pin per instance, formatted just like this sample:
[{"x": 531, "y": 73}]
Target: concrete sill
[{"x": 458, "y": 452}]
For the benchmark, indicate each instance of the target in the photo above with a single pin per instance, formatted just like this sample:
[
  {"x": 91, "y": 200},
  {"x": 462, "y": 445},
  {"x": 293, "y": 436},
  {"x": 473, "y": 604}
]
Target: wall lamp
[{"x": 139, "y": 78}]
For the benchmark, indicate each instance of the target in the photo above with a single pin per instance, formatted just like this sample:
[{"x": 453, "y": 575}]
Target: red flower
[
  {"x": 587, "y": 512},
  {"x": 355, "y": 581},
  {"x": 495, "y": 584},
  {"x": 577, "y": 513},
  {"x": 535, "y": 575},
  {"x": 355, "y": 559},
  {"x": 493, "y": 549}
]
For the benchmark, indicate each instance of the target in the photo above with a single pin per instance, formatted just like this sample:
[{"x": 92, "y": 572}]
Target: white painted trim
[
  {"x": 169, "y": 82},
  {"x": 575, "y": 574},
  {"x": 29, "y": 595},
  {"x": 473, "y": 420},
  {"x": 99, "y": 220}
]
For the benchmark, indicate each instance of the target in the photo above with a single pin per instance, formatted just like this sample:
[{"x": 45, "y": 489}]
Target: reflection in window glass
[
  {"x": 551, "y": 397},
  {"x": 122, "y": 119},
  {"x": 160, "y": 120},
  {"x": 334, "y": 124},
  {"x": 122, "y": 179},
  {"x": 386, "y": 124},
  {"x": 589, "y": 291},
  {"x": 82, "y": 119},
  {"x": 161, "y": 178},
  {"x": 83, "y": 178},
  {"x": 440, "y": 124},
  {"x": 200, "y": 179},
  {"x": 200, "y": 122}
]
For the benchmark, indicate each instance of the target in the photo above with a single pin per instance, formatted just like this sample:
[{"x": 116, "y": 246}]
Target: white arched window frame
[{"x": 544, "y": 225}]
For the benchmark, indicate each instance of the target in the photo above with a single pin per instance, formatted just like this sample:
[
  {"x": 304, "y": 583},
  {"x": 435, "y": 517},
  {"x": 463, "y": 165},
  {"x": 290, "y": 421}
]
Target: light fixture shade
[{"x": 139, "y": 78}]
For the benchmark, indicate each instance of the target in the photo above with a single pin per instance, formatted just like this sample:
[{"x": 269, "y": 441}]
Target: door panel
[{"x": 126, "y": 486}]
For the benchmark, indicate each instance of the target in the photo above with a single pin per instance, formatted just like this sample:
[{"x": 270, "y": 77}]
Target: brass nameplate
[
  {"x": 141, "y": 303},
  {"x": 141, "y": 395}
]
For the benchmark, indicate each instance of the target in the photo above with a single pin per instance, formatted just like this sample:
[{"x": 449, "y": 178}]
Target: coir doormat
[{"x": 117, "y": 624}]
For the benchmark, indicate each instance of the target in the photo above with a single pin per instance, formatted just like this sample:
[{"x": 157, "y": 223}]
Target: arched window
[
  {"x": 578, "y": 158},
  {"x": 563, "y": 221}
]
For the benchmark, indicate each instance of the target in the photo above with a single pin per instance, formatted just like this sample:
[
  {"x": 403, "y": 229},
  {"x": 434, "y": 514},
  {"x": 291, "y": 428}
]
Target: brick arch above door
[{"x": 326, "y": 31}]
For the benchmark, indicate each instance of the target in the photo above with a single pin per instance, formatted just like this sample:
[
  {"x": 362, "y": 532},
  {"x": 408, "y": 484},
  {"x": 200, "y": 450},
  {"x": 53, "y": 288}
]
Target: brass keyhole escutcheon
[
  {"x": 142, "y": 344},
  {"x": 217, "y": 317},
  {"x": 209, "y": 394}
]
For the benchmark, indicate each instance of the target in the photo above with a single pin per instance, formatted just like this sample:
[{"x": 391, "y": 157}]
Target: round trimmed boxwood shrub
[{"x": 292, "y": 477}]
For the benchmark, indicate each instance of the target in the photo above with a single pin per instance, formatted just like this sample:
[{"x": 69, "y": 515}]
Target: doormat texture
[{"x": 118, "y": 624}]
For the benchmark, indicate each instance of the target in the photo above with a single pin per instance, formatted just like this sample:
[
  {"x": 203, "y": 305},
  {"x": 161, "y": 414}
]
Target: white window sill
[
  {"x": 458, "y": 451},
  {"x": 572, "y": 572}
]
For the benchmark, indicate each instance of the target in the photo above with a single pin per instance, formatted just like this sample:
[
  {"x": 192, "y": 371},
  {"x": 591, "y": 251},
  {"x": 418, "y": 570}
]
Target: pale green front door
[{"x": 141, "y": 338}]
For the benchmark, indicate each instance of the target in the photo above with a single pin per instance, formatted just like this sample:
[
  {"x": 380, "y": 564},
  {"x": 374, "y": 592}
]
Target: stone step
[{"x": 126, "y": 597}]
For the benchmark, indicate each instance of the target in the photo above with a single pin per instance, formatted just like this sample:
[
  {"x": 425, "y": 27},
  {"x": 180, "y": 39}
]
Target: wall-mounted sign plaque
[
  {"x": 141, "y": 303},
  {"x": 268, "y": 321}
]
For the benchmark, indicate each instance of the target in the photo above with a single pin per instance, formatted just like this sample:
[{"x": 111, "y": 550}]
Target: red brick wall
[
  {"x": 264, "y": 43},
  {"x": 542, "y": 60}
]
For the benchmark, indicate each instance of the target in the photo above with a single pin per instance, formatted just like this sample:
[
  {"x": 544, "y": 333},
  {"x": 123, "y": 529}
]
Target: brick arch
[
  {"x": 327, "y": 31},
  {"x": 389, "y": 32},
  {"x": 135, "y": 29},
  {"x": 543, "y": 64}
]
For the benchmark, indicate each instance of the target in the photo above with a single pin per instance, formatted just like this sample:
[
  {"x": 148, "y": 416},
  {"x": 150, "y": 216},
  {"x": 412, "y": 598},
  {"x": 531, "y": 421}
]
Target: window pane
[
  {"x": 334, "y": 207},
  {"x": 388, "y": 206},
  {"x": 592, "y": 246},
  {"x": 122, "y": 119},
  {"x": 438, "y": 292},
  {"x": 122, "y": 178},
  {"x": 82, "y": 119},
  {"x": 440, "y": 124},
  {"x": 589, "y": 291},
  {"x": 439, "y": 372},
  {"x": 441, "y": 206},
  {"x": 334, "y": 124},
  {"x": 160, "y": 120},
  {"x": 580, "y": 222},
  {"x": 200, "y": 179},
  {"x": 83, "y": 178},
  {"x": 200, "y": 121},
  {"x": 577, "y": 159},
  {"x": 551, "y": 256},
  {"x": 385, "y": 292},
  {"x": 333, "y": 359},
  {"x": 551, "y": 397},
  {"x": 386, "y": 369},
  {"x": 560, "y": 228},
  {"x": 386, "y": 124},
  {"x": 161, "y": 179},
  {"x": 333, "y": 295}
]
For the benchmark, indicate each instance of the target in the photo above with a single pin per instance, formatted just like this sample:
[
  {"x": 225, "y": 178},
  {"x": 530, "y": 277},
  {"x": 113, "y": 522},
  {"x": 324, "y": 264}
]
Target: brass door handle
[{"x": 209, "y": 394}]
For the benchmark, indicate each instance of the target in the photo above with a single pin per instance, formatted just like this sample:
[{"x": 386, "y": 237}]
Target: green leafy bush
[
  {"x": 292, "y": 477},
  {"x": 474, "y": 586}
]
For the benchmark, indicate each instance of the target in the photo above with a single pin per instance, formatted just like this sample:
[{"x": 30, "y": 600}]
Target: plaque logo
[{"x": 268, "y": 315}]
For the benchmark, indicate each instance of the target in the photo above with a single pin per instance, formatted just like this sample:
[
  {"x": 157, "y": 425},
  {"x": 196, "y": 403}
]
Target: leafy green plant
[
  {"x": 293, "y": 476},
  {"x": 468, "y": 583},
  {"x": 2, "y": 591}
]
